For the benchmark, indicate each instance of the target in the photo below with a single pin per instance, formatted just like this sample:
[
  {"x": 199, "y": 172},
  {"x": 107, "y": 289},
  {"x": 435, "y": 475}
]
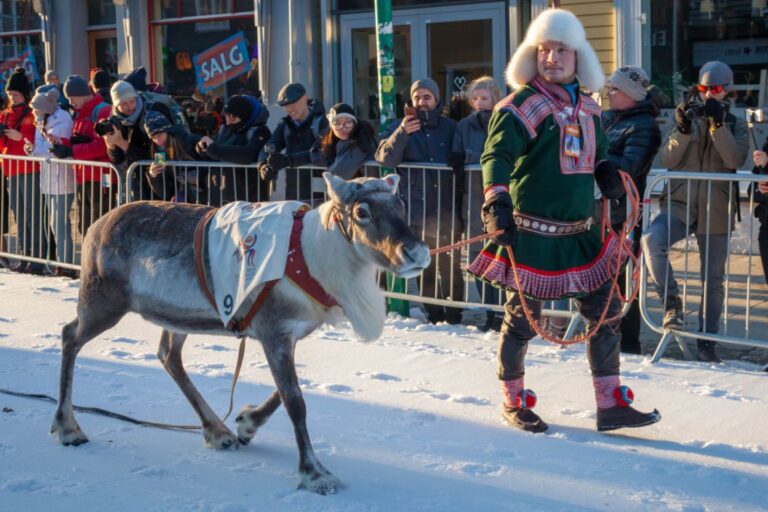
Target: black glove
[
  {"x": 497, "y": 214},
  {"x": 278, "y": 161},
  {"x": 267, "y": 172},
  {"x": 79, "y": 139},
  {"x": 61, "y": 151},
  {"x": 608, "y": 180},
  {"x": 681, "y": 121},
  {"x": 456, "y": 158},
  {"x": 715, "y": 111}
]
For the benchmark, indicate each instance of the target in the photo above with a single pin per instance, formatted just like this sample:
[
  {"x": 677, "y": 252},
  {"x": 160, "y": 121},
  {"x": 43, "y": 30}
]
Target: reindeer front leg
[
  {"x": 216, "y": 434},
  {"x": 313, "y": 476}
]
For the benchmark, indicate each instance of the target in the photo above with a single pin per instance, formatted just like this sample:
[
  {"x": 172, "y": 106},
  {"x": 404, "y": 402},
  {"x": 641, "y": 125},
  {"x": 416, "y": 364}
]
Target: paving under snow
[{"x": 408, "y": 423}]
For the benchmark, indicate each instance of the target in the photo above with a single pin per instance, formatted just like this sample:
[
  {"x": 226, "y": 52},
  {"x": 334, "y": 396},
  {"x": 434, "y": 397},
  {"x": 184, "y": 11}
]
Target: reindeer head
[{"x": 371, "y": 215}]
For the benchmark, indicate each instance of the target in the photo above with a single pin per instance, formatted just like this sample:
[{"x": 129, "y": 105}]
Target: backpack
[
  {"x": 97, "y": 109},
  {"x": 150, "y": 99}
]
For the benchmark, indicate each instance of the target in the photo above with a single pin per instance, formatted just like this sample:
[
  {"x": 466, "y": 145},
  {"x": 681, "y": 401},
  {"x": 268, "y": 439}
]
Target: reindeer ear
[
  {"x": 339, "y": 190},
  {"x": 392, "y": 181}
]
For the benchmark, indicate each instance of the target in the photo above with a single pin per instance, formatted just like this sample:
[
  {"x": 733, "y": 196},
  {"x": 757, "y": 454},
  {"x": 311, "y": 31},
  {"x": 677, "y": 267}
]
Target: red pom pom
[
  {"x": 526, "y": 399},
  {"x": 624, "y": 396}
]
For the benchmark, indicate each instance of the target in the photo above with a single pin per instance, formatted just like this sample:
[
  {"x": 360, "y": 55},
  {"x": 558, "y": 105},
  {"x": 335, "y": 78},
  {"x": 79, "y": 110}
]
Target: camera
[
  {"x": 693, "y": 111},
  {"x": 107, "y": 126}
]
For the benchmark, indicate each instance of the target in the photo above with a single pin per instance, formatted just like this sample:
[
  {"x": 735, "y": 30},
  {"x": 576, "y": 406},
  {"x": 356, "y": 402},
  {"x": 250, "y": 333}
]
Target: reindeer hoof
[
  {"x": 323, "y": 483},
  {"x": 248, "y": 422},
  {"x": 219, "y": 438},
  {"x": 72, "y": 436}
]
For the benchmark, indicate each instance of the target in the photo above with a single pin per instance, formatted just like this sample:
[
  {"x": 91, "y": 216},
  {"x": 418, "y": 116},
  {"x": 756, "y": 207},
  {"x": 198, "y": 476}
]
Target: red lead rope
[{"x": 621, "y": 248}]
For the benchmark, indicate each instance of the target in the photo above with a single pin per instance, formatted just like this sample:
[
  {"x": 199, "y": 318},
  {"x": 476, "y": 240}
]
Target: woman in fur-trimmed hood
[{"x": 545, "y": 150}]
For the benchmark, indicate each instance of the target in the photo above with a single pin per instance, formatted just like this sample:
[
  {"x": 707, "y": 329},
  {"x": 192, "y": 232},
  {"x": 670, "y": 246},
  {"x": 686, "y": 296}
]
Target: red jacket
[
  {"x": 95, "y": 149},
  {"x": 17, "y": 119}
]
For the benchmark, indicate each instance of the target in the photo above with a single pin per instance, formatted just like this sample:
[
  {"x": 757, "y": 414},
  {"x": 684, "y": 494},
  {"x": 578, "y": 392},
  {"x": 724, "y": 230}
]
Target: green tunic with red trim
[{"x": 525, "y": 150}]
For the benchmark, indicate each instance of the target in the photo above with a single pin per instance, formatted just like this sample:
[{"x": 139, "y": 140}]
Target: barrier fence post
[{"x": 386, "y": 63}]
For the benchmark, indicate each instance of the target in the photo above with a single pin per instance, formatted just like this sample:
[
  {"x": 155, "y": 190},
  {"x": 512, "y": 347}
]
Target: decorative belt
[{"x": 550, "y": 227}]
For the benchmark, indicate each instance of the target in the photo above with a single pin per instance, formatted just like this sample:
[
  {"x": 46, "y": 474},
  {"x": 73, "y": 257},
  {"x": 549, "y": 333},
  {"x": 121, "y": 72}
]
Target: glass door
[
  {"x": 102, "y": 51},
  {"x": 453, "y": 45}
]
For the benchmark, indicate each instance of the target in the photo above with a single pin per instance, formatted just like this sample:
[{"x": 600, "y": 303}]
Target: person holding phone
[{"x": 424, "y": 135}]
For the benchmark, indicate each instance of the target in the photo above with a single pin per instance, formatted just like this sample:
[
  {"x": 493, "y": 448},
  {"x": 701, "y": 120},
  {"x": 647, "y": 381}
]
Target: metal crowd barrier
[
  {"x": 45, "y": 212},
  {"x": 743, "y": 305}
]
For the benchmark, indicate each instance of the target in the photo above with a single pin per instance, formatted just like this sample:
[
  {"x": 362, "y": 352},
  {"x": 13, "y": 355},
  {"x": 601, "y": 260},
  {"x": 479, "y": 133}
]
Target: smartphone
[
  {"x": 160, "y": 157},
  {"x": 410, "y": 111}
]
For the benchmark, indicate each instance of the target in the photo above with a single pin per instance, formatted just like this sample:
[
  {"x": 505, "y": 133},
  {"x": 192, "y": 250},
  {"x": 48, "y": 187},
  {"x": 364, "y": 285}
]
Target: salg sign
[{"x": 221, "y": 62}]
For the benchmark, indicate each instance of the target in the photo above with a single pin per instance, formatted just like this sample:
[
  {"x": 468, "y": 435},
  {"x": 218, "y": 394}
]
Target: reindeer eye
[{"x": 362, "y": 213}]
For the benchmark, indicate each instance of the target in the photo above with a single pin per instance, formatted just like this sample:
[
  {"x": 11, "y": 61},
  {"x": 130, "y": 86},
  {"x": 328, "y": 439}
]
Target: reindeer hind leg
[{"x": 215, "y": 433}]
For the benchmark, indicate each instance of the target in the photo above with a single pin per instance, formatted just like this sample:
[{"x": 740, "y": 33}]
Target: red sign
[
  {"x": 221, "y": 62},
  {"x": 26, "y": 60}
]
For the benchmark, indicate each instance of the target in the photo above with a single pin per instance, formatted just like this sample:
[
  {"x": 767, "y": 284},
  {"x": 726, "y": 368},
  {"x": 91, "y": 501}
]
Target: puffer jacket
[
  {"x": 419, "y": 187},
  {"x": 19, "y": 118},
  {"x": 240, "y": 144},
  {"x": 722, "y": 150},
  {"x": 86, "y": 143},
  {"x": 349, "y": 159},
  {"x": 633, "y": 141},
  {"x": 470, "y": 135},
  {"x": 55, "y": 179}
]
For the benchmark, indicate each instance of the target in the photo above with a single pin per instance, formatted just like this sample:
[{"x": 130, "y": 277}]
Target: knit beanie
[
  {"x": 239, "y": 106},
  {"x": 122, "y": 91},
  {"x": 76, "y": 86},
  {"x": 137, "y": 78},
  {"x": 428, "y": 84},
  {"x": 100, "y": 78},
  {"x": 155, "y": 122},
  {"x": 716, "y": 73},
  {"x": 632, "y": 81},
  {"x": 50, "y": 74},
  {"x": 45, "y": 100},
  {"x": 341, "y": 111},
  {"x": 18, "y": 82}
]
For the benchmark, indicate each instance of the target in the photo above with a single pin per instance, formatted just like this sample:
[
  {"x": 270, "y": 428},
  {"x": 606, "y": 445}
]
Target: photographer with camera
[
  {"x": 95, "y": 194},
  {"x": 127, "y": 142},
  {"x": 707, "y": 138}
]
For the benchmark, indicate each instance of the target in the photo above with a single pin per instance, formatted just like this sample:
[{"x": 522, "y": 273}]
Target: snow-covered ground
[{"x": 408, "y": 423}]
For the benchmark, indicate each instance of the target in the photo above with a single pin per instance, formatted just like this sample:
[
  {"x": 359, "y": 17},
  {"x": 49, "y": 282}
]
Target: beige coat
[{"x": 703, "y": 150}]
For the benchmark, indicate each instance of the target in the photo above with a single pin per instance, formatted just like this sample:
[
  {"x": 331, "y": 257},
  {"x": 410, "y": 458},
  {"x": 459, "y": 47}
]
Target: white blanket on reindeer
[{"x": 247, "y": 247}]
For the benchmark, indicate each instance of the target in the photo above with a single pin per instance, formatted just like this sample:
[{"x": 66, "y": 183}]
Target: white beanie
[
  {"x": 122, "y": 91},
  {"x": 564, "y": 27}
]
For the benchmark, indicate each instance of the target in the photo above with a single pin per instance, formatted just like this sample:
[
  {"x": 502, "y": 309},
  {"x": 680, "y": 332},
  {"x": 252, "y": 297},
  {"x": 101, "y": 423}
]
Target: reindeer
[{"x": 140, "y": 258}]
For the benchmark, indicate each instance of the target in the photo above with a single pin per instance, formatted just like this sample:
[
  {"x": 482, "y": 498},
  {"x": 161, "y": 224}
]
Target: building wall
[{"x": 599, "y": 20}]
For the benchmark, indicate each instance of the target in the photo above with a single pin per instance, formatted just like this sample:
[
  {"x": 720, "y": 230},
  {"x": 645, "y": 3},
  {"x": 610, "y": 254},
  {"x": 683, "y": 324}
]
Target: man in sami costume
[{"x": 545, "y": 151}]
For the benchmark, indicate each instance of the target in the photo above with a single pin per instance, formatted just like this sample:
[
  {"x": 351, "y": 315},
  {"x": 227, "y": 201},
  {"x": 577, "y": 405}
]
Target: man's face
[
  {"x": 556, "y": 63},
  {"x": 54, "y": 79},
  {"x": 127, "y": 107},
  {"x": 710, "y": 93},
  {"x": 78, "y": 101},
  {"x": 423, "y": 99},
  {"x": 230, "y": 119},
  {"x": 298, "y": 110}
]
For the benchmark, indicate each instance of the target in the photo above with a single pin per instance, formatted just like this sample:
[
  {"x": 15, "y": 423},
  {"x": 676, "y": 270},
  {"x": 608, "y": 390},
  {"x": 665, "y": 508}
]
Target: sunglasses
[{"x": 715, "y": 89}]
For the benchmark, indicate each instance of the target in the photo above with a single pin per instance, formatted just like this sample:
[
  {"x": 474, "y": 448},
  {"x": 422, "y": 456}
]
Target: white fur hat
[{"x": 564, "y": 27}]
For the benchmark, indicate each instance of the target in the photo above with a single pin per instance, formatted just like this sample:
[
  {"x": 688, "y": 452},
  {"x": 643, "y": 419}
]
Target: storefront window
[
  {"x": 101, "y": 12},
  {"x": 18, "y": 15},
  {"x": 177, "y": 43},
  {"x": 684, "y": 35},
  {"x": 182, "y": 8},
  {"x": 367, "y": 5}
]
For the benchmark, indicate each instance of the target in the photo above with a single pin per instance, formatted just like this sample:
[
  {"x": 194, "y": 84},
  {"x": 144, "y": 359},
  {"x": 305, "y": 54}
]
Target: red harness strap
[{"x": 295, "y": 269}]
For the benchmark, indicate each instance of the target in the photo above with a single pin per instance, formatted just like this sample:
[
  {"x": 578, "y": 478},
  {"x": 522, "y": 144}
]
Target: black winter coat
[
  {"x": 296, "y": 140},
  {"x": 239, "y": 144},
  {"x": 761, "y": 200},
  {"x": 634, "y": 139}
]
